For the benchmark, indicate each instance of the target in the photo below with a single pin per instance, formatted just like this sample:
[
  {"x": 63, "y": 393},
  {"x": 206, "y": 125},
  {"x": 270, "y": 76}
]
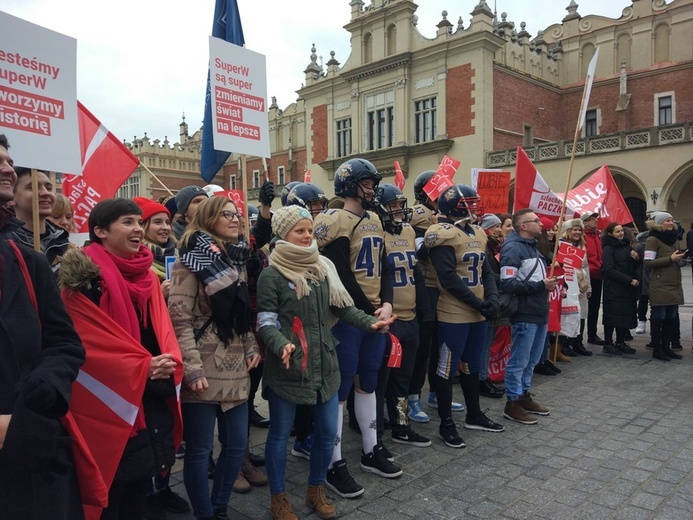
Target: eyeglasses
[
  {"x": 230, "y": 215},
  {"x": 536, "y": 221}
]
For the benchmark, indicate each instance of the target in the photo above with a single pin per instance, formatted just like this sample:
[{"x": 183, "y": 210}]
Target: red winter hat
[
  {"x": 546, "y": 223},
  {"x": 150, "y": 208}
]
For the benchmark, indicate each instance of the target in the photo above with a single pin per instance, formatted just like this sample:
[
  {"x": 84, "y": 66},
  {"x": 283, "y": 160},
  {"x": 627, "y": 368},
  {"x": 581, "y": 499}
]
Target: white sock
[
  {"x": 337, "y": 452},
  {"x": 364, "y": 409}
]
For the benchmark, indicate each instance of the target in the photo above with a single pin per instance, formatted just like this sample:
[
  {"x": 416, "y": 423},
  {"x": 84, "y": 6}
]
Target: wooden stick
[
  {"x": 157, "y": 178},
  {"x": 35, "y": 209},
  {"x": 245, "y": 197}
]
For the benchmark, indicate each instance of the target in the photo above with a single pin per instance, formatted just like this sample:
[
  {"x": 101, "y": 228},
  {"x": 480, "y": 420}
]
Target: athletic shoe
[
  {"x": 341, "y": 482},
  {"x": 611, "y": 350},
  {"x": 302, "y": 449},
  {"x": 388, "y": 455},
  {"x": 448, "y": 432},
  {"x": 181, "y": 451},
  {"x": 640, "y": 329},
  {"x": 552, "y": 366},
  {"x": 376, "y": 462},
  {"x": 625, "y": 348},
  {"x": 543, "y": 369},
  {"x": 433, "y": 403},
  {"x": 415, "y": 412},
  {"x": 482, "y": 423},
  {"x": 489, "y": 389},
  {"x": 409, "y": 436},
  {"x": 676, "y": 346}
]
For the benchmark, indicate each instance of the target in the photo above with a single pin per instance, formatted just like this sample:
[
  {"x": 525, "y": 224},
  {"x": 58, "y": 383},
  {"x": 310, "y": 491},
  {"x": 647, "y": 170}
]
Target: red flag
[
  {"x": 531, "y": 191},
  {"x": 442, "y": 179},
  {"x": 306, "y": 176},
  {"x": 106, "y": 164},
  {"x": 399, "y": 176},
  {"x": 599, "y": 194},
  {"x": 105, "y": 401},
  {"x": 236, "y": 197},
  {"x": 395, "y": 359},
  {"x": 297, "y": 329}
]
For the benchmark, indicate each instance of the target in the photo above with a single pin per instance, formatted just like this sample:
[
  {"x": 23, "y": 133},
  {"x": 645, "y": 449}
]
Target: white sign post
[
  {"x": 238, "y": 79},
  {"x": 38, "y": 95}
]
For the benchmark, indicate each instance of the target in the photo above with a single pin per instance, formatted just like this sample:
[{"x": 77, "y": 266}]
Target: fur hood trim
[{"x": 77, "y": 271}]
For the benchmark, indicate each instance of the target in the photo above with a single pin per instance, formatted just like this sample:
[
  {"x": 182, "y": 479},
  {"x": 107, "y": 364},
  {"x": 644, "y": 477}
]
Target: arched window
[
  {"x": 367, "y": 48},
  {"x": 392, "y": 40},
  {"x": 623, "y": 43},
  {"x": 661, "y": 43},
  {"x": 587, "y": 54}
]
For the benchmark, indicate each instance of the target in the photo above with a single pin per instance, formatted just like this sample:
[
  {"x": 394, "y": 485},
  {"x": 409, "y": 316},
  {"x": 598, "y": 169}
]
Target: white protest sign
[
  {"x": 238, "y": 79},
  {"x": 38, "y": 95}
]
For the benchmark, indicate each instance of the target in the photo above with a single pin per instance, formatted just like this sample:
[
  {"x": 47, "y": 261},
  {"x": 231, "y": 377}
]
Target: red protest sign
[
  {"x": 494, "y": 190},
  {"x": 236, "y": 197},
  {"x": 399, "y": 176},
  {"x": 570, "y": 255},
  {"x": 442, "y": 179}
]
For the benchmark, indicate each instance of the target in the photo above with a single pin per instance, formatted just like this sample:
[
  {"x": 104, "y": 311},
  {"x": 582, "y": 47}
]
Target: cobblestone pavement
[{"x": 618, "y": 444}]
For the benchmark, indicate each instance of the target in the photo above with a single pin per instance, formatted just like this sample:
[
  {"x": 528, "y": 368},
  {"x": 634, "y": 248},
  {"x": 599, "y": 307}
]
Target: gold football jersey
[
  {"x": 400, "y": 251},
  {"x": 421, "y": 221}
]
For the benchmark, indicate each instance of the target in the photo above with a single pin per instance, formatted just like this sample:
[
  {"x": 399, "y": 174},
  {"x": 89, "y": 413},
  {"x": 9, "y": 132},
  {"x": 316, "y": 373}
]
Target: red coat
[{"x": 593, "y": 245}]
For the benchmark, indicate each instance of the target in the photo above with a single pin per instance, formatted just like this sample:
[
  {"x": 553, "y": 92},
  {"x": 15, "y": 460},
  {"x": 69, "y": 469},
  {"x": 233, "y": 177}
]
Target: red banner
[
  {"x": 499, "y": 354},
  {"x": 442, "y": 179},
  {"x": 494, "y": 190},
  {"x": 236, "y": 197},
  {"x": 106, "y": 164},
  {"x": 399, "y": 176}
]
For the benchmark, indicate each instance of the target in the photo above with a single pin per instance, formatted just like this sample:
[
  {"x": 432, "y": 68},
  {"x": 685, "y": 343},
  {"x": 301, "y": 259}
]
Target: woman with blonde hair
[
  {"x": 210, "y": 310},
  {"x": 63, "y": 216}
]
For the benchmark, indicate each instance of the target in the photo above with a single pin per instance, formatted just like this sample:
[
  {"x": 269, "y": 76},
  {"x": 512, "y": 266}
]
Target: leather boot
[
  {"x": 558, "y": 355},
  {"x": 656, "y": 340},
  {"x": 317, "y": 500},
  {"x": 254, "y": 476},
  {"x": 667, "y": 334},
  {"x": 281, "y": 508}
]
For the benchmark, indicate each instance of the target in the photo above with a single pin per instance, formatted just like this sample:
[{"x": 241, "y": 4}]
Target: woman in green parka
[{"x": 296, "y": 295}]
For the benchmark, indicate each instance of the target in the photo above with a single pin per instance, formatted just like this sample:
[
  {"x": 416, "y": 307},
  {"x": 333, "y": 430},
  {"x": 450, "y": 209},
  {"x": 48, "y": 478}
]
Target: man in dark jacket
[
  {"x": 40, "y": 356},
  {"x": 523, "y": 273},
  {"x": 593, "y": 244}
]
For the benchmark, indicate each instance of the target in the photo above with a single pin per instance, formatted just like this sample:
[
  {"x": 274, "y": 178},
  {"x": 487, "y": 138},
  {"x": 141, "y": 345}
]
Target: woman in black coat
[{"x": 619, "y": 266}]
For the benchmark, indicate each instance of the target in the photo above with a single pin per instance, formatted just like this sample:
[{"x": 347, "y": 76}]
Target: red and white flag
[
  {"x": 442, "y": 179},
  {"x": 236, "y": 197},
  {"x": 531, "y": 191},
  {"x": 106, "y": 164},
  {"x": 306, "y": 176},
  {"x": 399, "y": 176},
  {"x": 600, "y": 194}
]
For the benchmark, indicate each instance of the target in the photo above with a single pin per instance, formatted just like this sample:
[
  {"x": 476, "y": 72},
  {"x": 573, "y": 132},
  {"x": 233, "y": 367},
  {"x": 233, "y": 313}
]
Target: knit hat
[
  {"x": 489, "y": 220},
  {"x": 546, "y": 223},
  {"x": 570, "y": 224},
  {"x": 170, "y": 204},
  {"x": 150, "y": 207},
  {"x": 285, "y": 218},
  {"x": 185, "y": 195},
  {"x": 660, "y": 216}
]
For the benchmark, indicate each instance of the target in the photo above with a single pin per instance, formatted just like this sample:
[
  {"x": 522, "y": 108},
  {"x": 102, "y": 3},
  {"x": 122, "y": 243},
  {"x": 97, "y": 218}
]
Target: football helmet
[
  {"x": 287, "y": 189},
  {"x": 387, "y": 194},
  {"x": 253, "y": 214},
  {"x": 307, "y": 195},
  {"x": 351, "y": 174},
  {"x": 421, "y": 181},
  {"x": 460, "y": 202}
]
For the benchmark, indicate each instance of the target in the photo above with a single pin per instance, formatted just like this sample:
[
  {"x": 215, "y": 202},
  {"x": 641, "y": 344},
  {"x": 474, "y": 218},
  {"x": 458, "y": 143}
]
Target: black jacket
[
  {"x": 620, "y": 297},
  {"x": 40, "y": 356}
]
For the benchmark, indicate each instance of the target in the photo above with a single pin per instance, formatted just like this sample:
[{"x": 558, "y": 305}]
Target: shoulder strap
[
  {"x": 536, "y": 264},
  {"x": 25, "y": 273}
]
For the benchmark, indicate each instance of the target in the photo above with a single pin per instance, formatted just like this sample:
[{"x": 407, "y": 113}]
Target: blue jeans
[
  {"x": 664, "y": 312},
  {"x": 486, "y": 351},
  {"x": 528, "y": 341},
  {"x": 198, "y": 422},
  {"x": 282, "y": 413}
]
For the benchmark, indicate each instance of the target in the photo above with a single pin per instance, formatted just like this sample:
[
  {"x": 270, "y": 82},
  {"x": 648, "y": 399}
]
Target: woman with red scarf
[{"x": 115, "y": 302}]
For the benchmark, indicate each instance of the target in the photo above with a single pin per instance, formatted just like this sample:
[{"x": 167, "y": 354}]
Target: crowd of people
[{"x": 327, "y": 306}]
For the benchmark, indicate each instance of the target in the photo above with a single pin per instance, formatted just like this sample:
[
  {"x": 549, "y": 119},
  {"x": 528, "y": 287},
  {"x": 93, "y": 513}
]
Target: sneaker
[
  {"x": 341, "y": 482},
  {"x": 625, "y": 348},
  {"x": 515, "y": 412},
  {"x": 676, "y": 346},
  {"x": 448, "y": 432},
  {"x": 433, "y": 403},
  {"x": 543, "y": 369},
  {"x": 302, "y": 449},
  {"x": 532, "y": 406},
  {"x": 579, "y": 348},
  {"x": 181, "y": 451},
  {"x": 595, "y": 340},
  {"x": 482, "y": 423},
  {"x": 552, "y": 366},
  {"x": 640, "y": 329},
  {"x": 489, "y": 389},
  {"x": 376, "y": 462},
  {"x": 415, "y": 412},
  {"x": 173, "y": 502},
  {"x": 258, "y": 420},
  {"x": 388, "y": 455},
  {"x": 611, "y": 350},
  {"x": 409, "y": 436}
]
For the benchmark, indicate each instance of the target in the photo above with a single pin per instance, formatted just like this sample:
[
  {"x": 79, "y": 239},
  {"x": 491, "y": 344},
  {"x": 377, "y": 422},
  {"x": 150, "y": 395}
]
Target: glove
[
  {"x": 488, "y": 311},
  {"x": 40, "y": 396},
  {"x": 266, "y": 194}
]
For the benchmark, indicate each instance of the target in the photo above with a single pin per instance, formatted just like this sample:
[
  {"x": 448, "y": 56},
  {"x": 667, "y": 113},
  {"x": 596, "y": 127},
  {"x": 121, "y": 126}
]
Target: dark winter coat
[
  {"x": 665, "y": 274},
  {"x": 43, "y": 351},
  {"x": 619, "y": 296}
]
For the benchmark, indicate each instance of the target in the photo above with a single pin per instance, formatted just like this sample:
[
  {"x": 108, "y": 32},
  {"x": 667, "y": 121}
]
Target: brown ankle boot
[
  {"x": 254, "y": 476},
  {"x": 515, "y": 412},
  {"x": 531, "y": 405},
  {"x": 560, "y": 356},
  {"x": 281, "y": 508},
  {"x": 316, "y": 499},
  {"x": 241, "y": 485}
]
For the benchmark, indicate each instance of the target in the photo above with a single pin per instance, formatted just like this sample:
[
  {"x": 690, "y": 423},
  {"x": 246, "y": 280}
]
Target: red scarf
[{"x": 124, "y": 281}]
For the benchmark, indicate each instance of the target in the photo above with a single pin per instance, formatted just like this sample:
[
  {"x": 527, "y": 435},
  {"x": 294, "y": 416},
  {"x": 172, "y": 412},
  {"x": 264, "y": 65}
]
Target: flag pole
[
  {"x": 157, "y": 178},
  {"x": 245, "y": 195},
  {"x": 35, "y": 209}
]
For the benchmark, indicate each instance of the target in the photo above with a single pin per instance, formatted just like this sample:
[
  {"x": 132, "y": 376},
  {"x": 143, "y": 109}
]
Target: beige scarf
[{"x": 305, "y": 265}]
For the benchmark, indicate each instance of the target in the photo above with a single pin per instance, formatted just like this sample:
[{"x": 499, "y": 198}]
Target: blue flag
[{"x": 227, "y": 26}]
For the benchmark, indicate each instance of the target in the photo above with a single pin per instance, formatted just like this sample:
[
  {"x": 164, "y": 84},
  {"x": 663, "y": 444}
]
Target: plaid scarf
[
  {"x": 160, "y": 254},
  {"x": 219, "y": 271}
]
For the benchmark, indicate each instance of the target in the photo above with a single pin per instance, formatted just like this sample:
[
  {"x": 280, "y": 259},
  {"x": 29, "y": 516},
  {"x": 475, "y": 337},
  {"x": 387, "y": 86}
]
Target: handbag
[{"x": 509, "y": 303}]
